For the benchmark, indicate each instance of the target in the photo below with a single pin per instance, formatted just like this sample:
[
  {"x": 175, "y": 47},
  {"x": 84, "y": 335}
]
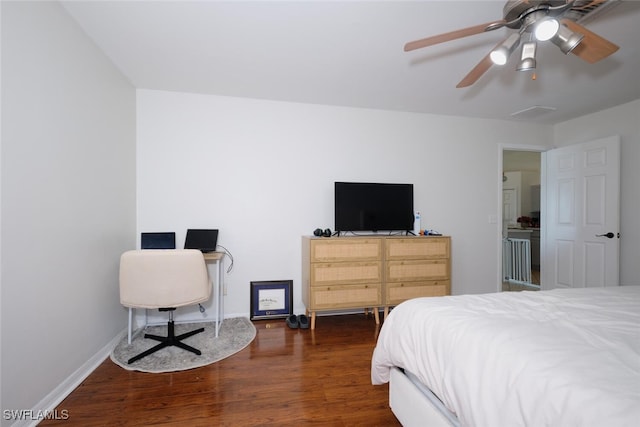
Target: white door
[{"x": 582, "y": 215}]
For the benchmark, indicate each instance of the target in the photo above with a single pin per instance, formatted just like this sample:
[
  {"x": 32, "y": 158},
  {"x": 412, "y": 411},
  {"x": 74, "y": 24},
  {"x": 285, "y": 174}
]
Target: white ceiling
[{"x": 350, "y": 53}]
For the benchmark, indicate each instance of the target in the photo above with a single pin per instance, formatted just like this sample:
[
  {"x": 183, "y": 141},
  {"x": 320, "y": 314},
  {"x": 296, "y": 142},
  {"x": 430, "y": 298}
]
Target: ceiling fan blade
[
  {"x": 592, "y": 48},
  {"x": 458, "y": 34},
  {"x": 589, "y": 5},
  {"x": 477, "y": 71}
]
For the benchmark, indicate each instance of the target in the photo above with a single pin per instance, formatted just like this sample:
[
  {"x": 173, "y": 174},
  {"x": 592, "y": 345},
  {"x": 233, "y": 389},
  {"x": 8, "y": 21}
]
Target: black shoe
[
  {"x": 303, "y": 321},
  {"x": 292, "y": 321}
]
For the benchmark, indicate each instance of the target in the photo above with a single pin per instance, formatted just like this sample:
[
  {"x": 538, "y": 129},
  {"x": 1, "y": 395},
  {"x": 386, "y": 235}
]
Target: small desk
[{"x": 216, "y": 258}]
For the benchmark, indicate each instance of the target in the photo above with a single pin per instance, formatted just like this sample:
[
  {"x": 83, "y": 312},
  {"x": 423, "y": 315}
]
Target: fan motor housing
[{"x": 513, "y": 9}]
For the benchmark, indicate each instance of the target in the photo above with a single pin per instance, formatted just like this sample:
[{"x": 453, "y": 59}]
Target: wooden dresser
[
  {"x": 372, "y": 271},
  {"x": 416, "y": 267}
]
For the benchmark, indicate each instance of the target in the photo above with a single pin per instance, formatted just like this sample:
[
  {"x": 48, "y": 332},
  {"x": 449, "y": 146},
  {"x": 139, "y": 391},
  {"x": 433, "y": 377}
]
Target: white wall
[
  {"x": 623, "y": 120},
  {"x": 260, "y": 171},
  {"x": 68, "y": 200},
  {"x": 263, "y": 172}
]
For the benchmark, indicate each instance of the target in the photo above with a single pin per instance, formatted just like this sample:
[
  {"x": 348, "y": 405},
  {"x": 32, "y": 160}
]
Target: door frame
[{"x": 518, "y": 147}]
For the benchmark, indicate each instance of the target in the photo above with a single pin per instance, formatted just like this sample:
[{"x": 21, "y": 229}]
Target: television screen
[{"x": 361, "y": 206}]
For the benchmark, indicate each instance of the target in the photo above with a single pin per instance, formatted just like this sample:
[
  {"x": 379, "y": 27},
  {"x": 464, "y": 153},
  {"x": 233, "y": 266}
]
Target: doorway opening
[{"x": 521, "y": 219}]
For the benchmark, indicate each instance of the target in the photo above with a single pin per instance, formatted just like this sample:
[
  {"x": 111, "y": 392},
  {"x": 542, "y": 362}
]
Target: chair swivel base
[{"x": 170, "y": 340}]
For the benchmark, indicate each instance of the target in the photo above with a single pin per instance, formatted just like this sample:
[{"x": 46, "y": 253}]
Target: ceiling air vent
[{"x": 532, "y": 112}]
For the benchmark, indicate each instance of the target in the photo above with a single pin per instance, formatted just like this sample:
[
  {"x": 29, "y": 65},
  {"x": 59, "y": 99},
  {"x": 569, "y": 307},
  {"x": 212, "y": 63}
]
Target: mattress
[{"x": 553, "y": 358}]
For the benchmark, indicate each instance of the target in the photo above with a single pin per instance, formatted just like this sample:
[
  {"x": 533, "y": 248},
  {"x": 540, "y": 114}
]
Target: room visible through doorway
[{"x": 521, "y": 215}]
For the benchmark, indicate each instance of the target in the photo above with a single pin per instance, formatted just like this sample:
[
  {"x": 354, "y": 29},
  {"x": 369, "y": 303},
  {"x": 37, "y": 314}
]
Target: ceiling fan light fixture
[
  {"x": 527, "y": 64},
  {"x": 566, "y": 39},
  {"x": 545, "y": 29},
  {"x": 528, "y": 57},
  {"x": 500, "y": 55}
]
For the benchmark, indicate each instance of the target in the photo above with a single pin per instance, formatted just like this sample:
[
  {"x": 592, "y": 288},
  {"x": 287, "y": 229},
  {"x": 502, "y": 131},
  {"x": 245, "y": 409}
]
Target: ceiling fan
[{"x": 533, "y": 20}]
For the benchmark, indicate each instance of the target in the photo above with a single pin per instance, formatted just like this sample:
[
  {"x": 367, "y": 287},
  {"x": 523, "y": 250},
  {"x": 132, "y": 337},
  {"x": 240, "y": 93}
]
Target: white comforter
[{"x": 567, "y": 357}]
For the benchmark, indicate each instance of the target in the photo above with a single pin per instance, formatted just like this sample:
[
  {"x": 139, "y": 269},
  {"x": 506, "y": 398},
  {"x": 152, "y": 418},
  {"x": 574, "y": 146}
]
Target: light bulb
[
  {"x": 546, "y": 29},
  {"x": 498, "y": 57}
]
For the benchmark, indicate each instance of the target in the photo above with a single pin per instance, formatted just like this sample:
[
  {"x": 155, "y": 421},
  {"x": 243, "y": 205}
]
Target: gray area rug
[{"x": 234, "y": 335}]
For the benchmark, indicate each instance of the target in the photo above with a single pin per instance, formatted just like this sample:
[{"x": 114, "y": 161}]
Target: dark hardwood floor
[{"x": 284, "y": 377}]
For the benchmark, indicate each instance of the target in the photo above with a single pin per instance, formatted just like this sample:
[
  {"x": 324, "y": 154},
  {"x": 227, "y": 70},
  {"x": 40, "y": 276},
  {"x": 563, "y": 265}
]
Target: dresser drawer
[
  {"x": 417, "y": 248},
  {"x": 336, "y": 250},
  {"x": 345, "y": 273},
  {"x": 346, "y": 296},
  {"x": 398, "y": 292},
  {"x": 413, "y": 270}
]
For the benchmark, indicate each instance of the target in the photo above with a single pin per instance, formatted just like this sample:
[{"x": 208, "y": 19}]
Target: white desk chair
[{"x": 164, "y": 279}]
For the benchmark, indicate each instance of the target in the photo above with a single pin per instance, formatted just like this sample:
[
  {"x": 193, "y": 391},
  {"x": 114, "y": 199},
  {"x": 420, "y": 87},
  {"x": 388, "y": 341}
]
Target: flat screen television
[{"x": 363, "y": 206}]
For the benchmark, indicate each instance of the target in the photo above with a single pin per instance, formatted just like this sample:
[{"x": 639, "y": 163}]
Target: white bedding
[{"x": 567, "y": 357}]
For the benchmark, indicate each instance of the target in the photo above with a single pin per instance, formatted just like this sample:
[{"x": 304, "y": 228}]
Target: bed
[{"x": 566, "y": 357}]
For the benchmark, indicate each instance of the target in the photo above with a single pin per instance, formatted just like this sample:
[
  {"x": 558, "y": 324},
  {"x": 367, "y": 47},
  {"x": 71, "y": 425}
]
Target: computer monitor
[
  {"x": 161, "y": 240},
  {"x": 204, "y": 240}
]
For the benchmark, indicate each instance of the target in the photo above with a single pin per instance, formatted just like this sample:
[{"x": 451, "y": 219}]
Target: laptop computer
[
  {"x": 162, "y": 240},
  {"x": 204, "y": 240}
]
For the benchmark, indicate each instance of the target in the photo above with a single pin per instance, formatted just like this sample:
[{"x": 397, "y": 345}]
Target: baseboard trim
[{"x": 50, "y": 402}]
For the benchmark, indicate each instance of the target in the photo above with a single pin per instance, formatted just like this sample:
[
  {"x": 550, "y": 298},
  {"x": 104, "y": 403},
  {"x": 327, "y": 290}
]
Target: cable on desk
[{"x": 226, "y": 251}]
